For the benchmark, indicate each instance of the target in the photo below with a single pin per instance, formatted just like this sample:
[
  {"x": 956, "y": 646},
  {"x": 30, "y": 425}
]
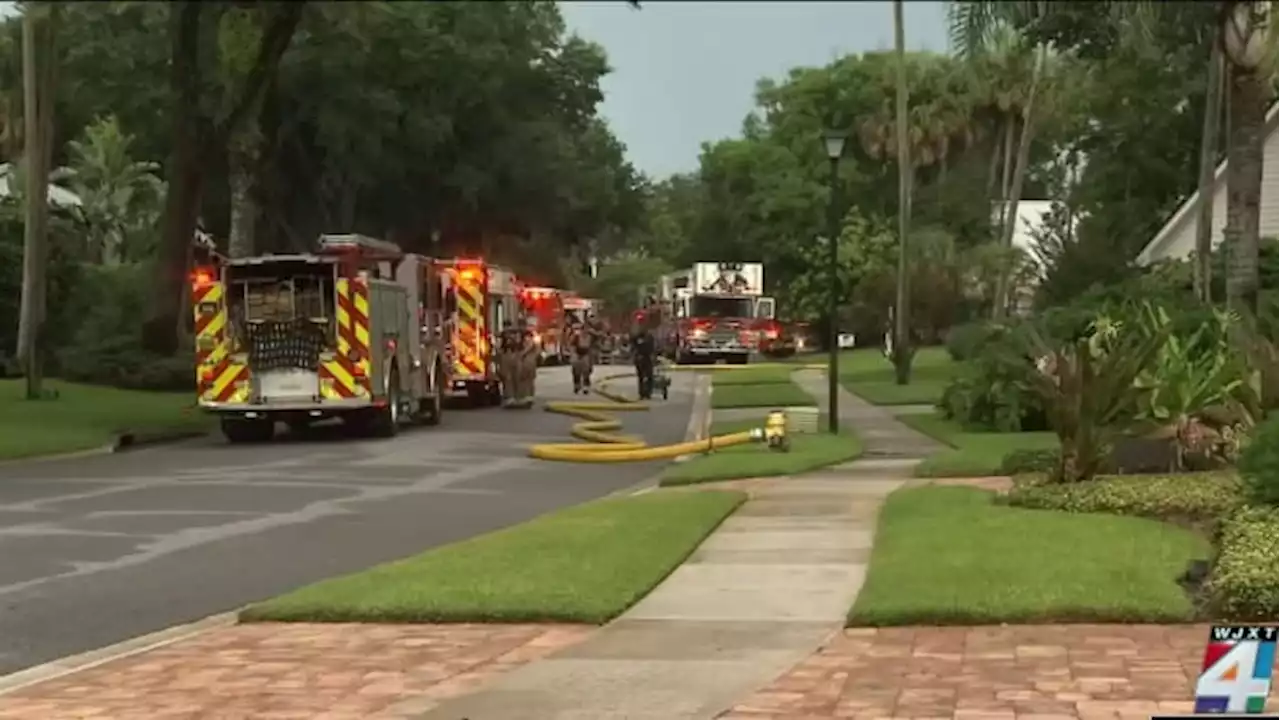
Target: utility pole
[{"x": 38, "y": 60}]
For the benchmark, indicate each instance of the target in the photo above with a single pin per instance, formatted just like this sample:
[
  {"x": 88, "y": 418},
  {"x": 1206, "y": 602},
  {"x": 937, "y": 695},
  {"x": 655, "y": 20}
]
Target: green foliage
[
  {"x": 965, "y": 342},
  {"x": 1088, "y": 388},
  {"x": 1030, "y": 460},
  {"x": 993, "y": 389},
  {"x": 62, "y": 277},
  {"x": 121, "y": 198},
  {"x": 1242, "y": 585},
  {"x": 1201, "y": 498},
  {"x": 1258, "y": 463},
  {"x": 619, "y": 281},
  {"x": 106, "y": 348}
]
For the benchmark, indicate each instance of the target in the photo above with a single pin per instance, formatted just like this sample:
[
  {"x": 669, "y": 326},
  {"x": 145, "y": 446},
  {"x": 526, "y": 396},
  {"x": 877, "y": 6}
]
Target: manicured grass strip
[
  {"x": 869, "y": 374},
  {"x": 808, "y": 452},
  {"x": 85, "y": 416},
  {"x": 972, "y": 454},
  {"x": 773, "y": 395},
  {"x": 763, "y": 375},
  {"x": 585, "y": 564},
  {"x": 951, "y": 556}
]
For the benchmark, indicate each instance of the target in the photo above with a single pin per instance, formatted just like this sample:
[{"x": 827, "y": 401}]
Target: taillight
[{"x": 202, "y": 276}]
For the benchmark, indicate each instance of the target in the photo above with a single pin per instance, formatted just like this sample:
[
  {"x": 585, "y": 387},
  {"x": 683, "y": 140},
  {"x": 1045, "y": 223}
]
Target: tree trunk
[
  {"x": 1015, "y": 190},
  {"x": 242, "y": 166},
  {"x": 38, "y": 60},
  {"x": 1202, "y": 265},
  {"x": 902, "y": 350},
  {"x": 1006, "y": 172},
  {"x": 993, "y": 169},
  {"x": 183, "y": 175},
  {"x": 1249, "y": 98}
]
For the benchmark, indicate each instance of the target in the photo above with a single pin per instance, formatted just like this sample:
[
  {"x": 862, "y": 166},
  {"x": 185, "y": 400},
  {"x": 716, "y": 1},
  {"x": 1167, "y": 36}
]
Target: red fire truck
[
  {"x": 544, "y": 311},
  {"x": 717, "y": 312}
]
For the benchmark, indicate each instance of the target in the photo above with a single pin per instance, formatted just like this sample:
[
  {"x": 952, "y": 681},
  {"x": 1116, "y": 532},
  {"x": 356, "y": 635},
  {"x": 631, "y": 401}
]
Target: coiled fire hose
[{"x": 603, "y": 444}]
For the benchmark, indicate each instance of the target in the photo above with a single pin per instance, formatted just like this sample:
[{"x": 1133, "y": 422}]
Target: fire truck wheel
[
  {"x": 247, "y": 431},
  {"x": 432, "y": 407},
  {"x": 386, "y": 420}
]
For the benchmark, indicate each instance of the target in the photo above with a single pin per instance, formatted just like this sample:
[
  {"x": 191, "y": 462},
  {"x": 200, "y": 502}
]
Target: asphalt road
[{"x": 99, "y": 549}]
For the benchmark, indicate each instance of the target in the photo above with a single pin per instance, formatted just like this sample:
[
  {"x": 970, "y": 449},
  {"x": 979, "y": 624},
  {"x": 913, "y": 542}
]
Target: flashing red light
[
  {"x": 467, "y": 274},
  {"x": 200, "y": 277}
]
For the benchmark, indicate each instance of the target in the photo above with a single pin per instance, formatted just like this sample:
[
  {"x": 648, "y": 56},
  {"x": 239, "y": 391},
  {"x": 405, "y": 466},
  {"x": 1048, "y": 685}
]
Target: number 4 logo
[{"x": 1241, "y": 677}]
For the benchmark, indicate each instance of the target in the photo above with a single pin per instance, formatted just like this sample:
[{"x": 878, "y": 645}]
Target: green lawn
[
  {"x": 752, "y": 375},
  {"x": 808, "y": 452},
  {"x": 85, "y": 416},
  {"x": 972, "y": 454},
  {"x": 771, "y": 395},
  {"x": 950, "y": 555},
  {"x": 585, "y": 564},
  {"x": 868, "y": 374}
]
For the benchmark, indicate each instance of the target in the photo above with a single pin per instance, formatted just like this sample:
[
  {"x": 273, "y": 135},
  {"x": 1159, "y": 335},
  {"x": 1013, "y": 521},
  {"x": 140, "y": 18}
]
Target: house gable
[{"x": 1176, "y": 240}]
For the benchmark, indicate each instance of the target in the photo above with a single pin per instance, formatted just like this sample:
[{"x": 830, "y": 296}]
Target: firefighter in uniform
[
  {"x": 644, "y": 351},
  {"x": 526, "y": 367},
  {"x": 581, "y": 348},
  {"x": 508, "y": 358}
]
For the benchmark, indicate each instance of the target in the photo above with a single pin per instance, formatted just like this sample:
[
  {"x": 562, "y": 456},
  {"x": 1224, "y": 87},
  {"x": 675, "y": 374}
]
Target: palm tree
[{"x": 1247, "y": 31}]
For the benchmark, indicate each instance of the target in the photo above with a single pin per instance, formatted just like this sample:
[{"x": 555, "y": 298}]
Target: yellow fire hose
[{"x": 605, "y": 445}]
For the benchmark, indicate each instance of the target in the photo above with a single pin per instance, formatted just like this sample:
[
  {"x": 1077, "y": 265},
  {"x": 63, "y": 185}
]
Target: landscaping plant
[
  {"x": 1190, "y": 388},
  {"x": 1089, "y": 389},
  {"x": 1258, "y": 464}
]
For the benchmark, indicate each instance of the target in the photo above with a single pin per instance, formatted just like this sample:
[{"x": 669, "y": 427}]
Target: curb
[
  {"x": 123, "y": 442},
  {"x": 125, "y": 648},
  {"x": 131, "y": 441}
]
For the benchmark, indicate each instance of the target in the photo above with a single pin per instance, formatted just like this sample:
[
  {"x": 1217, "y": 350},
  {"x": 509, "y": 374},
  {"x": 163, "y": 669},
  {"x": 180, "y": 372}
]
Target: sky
[{"x": 684, "y": 72}]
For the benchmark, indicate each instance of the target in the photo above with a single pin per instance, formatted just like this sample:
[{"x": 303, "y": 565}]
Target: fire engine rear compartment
[{"x": 282, "y": 315}]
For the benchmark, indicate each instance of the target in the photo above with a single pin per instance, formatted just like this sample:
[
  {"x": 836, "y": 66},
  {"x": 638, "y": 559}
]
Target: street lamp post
[{"x": 834, "y": 142}]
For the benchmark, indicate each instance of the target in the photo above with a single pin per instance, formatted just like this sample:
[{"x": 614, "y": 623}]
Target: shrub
[
  {"x": 106, "y": 348},
  {"x": 1258, "y": 464},
  {"x": 1242, "y": 585},
  {"x": 1023, "y": 461},
  {"x": 1191, "y": 497},
  {"x": 991, "y": 390},
  {"x": 966, "y": 341}
]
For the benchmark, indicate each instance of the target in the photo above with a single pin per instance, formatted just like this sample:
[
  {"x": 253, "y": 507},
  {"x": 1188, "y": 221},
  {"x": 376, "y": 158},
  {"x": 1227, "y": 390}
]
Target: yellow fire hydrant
[{"x": 774, "y": 432}]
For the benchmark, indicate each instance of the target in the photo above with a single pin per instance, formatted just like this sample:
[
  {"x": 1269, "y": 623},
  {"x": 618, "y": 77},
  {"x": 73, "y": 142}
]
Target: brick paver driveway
[
  {"x": 1051, "y": 672},
  {"x": 292, "y": 672}
]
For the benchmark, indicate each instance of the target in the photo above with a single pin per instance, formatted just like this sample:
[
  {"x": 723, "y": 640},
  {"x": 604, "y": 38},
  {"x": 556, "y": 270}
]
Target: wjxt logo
[{"x": 1259, "y": 633}]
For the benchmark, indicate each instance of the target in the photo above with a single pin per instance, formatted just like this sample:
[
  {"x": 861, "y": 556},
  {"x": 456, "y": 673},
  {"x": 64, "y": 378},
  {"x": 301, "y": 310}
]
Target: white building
[{"x": 1177, "y": 239}]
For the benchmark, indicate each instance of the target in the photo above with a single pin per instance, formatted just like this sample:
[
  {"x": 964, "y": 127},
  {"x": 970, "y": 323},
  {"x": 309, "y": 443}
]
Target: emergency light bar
[{"x": 375, "y": 249}]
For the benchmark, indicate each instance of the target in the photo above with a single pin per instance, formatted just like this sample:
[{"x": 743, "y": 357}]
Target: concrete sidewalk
[{"x": 764, "y": 592}]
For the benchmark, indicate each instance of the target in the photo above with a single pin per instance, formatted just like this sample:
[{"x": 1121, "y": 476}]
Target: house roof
[{"x": 1188, "y": 206}]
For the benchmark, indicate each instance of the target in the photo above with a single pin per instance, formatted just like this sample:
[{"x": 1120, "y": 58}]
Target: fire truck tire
[
  {"x": 431, "y": 408},
  {"x": 385, "y": 422},
  {"x": 239, "y": 431}
]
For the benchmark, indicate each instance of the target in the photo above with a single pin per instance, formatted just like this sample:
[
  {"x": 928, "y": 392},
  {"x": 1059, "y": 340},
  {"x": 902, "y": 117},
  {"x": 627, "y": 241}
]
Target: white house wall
[{"x": 1177, "y": 239}]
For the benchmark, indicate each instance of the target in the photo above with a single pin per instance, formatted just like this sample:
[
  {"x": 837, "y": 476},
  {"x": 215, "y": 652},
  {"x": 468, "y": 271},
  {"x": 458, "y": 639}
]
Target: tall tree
[
  {"x": 201, "y": 128},
  {"x": 902, "y": 340},
  {"x": 39, "y": 57}
]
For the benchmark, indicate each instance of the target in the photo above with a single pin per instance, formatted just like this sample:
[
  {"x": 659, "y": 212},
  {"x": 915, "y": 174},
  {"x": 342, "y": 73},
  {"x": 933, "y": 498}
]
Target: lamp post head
[{"x": 834, "y": 140}]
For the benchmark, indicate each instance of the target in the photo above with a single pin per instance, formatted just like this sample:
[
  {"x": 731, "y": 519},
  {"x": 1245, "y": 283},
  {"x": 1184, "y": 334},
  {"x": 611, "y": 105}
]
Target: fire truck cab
[
  {"x": 480, "y": 299},
  {"x": 350, "y": 331}
]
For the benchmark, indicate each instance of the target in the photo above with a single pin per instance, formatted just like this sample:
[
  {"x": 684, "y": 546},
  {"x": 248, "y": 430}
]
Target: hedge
[
  {"x": 1193, "y": 497},
  {"x": 1242, "y": 585}
]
